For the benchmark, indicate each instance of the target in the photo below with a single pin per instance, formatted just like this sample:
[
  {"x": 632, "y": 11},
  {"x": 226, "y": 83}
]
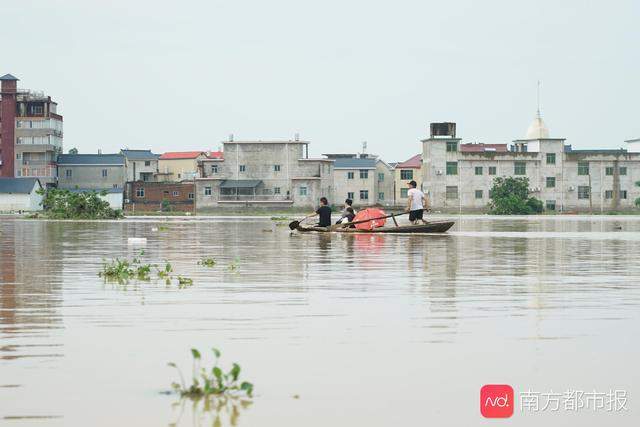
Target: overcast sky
[{"x": 183, "y": 75}]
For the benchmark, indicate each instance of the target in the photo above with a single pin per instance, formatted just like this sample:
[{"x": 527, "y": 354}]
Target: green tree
[
  {"x": 637, "y": 201},
  {"x": 63, "y": 204},
  {"x": 74, "y": 150},
  {"x": 510, "y": 196}
]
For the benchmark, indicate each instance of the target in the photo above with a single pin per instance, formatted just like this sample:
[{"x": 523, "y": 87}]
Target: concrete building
[
  {"x": 363, "y": 178},
  {"x": 141, "y": 196},
  {"x": 97, "y": 172},
  {"x": 263, "y": 174},
  {"x": 31, "y": 132},
  {"x": 405, "y": 172},
  {"x": 459, "y": 176},
  {"x": 179, "y": 165},
  {"x": 140, "y": 165},
  {"x": 20, "y": 194}
]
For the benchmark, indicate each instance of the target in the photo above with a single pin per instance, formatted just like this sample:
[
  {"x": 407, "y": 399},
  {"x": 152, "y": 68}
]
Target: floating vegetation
[
  {"x": 183, "y": 282},
  {"x": 234, "y": 267},
  {"x": 122, "y": 270},
  {"x": 207, "y": 262},
  {"x": 211, "y": 382},
  {"x": 64, "y": 204},
  {"x": 279, "y": 218},
  {"x": 166, "y": 272},
  {"x": 163, "y": 228}
]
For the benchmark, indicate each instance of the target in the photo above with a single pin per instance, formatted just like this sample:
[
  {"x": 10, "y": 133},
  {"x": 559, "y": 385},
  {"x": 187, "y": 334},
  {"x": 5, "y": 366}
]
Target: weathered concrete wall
[
  {"x": 344, "y": 186},
  {"x": 139, "y": 167},
  {"x": 20, "y": 202},
  {"x": 148, "y": 196},
  {"x": 384, "y": 183},
  {"x": 90, "y": 177}
]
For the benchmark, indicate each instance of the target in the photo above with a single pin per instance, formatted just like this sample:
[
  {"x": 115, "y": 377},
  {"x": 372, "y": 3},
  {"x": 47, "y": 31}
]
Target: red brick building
[{"x": 143, "y": 196}]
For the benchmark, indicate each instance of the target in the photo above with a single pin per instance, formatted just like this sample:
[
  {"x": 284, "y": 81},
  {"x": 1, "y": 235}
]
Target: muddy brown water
[{"x": 333, "y": 330}]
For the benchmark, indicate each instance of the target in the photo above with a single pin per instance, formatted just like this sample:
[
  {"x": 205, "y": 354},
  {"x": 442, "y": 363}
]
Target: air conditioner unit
[
  {"x": 126, "y": 200},
  {"x": 572, "y": 188},
  {"x": 438, "y": 172}
]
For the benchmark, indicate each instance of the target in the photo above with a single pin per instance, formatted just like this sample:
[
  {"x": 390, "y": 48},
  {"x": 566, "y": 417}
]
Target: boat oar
[
  {"x": 348, "y": 224},
  {"x": 295, "y": 224}
]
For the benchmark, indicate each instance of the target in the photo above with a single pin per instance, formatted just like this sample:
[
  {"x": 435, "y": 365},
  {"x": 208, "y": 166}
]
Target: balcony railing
[
  {"x": 44, "y": 171},
  {"x": 257, "y": 197}
]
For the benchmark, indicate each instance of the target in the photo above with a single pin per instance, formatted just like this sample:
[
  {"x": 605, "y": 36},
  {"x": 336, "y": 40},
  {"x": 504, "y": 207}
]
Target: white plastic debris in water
[{"x": 137, "y": 240}]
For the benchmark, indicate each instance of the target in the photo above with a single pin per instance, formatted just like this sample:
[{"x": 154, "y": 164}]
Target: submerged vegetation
[
  {"x": 64, "y": 204},
  {"x": 510, "y": 196},
  {"x": 212, "y": 381}
]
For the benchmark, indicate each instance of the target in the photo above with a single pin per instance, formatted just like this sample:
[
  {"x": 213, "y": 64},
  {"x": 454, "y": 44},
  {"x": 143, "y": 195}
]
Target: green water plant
[
  {"x": 212, "y": 381},
  {"x": 183, "y": 282},
  {"x": 279, "y": 218},
  {"x": 123, "y": 270},
  {"x": 207, "y": 262},
  {"x": 234, "y": 267},
  {"x": 165, "y": 273}
]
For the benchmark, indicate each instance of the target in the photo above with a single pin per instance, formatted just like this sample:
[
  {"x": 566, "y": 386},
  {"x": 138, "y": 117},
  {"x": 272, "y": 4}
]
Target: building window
[
  {"x": 551, "y": 182},
  {"x": 551, "y": 159},
  {"x": 608, "y": 170},
  {"x": 243, "y": 168},
  {"x": 68, "y": 173},
  {"x": 404, "y": 193},
  {"x": 583, "y": 192},
  {"x": 478, "y": 170},
  {"x": 452, "y": 168},
  {"x": 364, "y": 194},
  {"x": 104, "y": 173},
  {"x": 608, "y": 194},
  {"x": 190, "y": 195},
  {"x": 452, "y": 146},
  {"x": 519, "y": 168},
  {"x": 176, "y": 194},
  {"x": 276, "y": 190},
  {"x": 478, "y": 194},
  {"x": 583, "y": 168},
  {"x": 140, "y": 192},
  {"x": 214, "y": 169},
  {"x": 351, "y": 195},
  {"x": 623, "y": 170},
  {"x": 364, "y": 174},
  {"x": 303, "y": 191},
  {"x": 493, "y": 170},
  {"x": 623, "y": 194},
  {"x": 380, "y": 177},
  {"x": 550, "y": 205},
  {"x": 115, "y": 185},
  {"x": 452, "y": 192},
  {"x": 207, "y": 191},
  {"x": 18, "y": 156},
  {"x": 276, "y": 168},
  {"x": 147, "y": 163},
  {"x": 350, "y": 175},
  {"x": 380, "y": 196},
  {"x": 406, "y": 174}
]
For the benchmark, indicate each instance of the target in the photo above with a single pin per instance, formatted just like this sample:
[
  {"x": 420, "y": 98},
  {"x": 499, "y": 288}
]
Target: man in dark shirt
[{"x": 324, "y": 211}]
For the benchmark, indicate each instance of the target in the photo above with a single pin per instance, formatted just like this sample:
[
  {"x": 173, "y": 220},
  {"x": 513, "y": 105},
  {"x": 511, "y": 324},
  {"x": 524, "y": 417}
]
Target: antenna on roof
[
  {"x": 230, "y": 137},
  {"x": 539, "y": 83},
  {"x": 364, "y": 147}
]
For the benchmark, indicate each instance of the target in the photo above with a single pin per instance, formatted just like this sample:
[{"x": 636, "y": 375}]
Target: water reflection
[{"x": 212, "y": 411}]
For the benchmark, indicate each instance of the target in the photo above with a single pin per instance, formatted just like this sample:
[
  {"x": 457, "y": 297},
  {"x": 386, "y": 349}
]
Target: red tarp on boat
[{"x": 367, "y": 214}]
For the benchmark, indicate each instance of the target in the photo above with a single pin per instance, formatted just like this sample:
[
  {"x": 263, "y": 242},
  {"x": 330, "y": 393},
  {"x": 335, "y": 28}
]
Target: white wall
[{"x": 20, "y": 202}]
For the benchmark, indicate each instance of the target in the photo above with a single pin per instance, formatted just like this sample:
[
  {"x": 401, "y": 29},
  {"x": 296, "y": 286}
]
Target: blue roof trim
[
  {"x": 353, "y": 163},
  {"x": 91, "y": 159}
]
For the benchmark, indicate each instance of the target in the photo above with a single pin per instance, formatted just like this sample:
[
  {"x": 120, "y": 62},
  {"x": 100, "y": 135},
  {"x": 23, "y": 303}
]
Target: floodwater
[{"x": 333, "y": 330}]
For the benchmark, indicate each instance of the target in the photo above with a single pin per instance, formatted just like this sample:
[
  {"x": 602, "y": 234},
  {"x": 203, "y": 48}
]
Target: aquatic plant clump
[
  {"x": 207, "y": 262},
  {"x": 123, "y": 270},
  {"x": 211, "y": 382},
  {"x": 64, "y": 204}
]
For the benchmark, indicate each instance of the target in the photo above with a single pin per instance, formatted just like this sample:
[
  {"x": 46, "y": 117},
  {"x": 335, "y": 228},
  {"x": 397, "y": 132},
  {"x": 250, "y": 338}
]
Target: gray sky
[{"x": 180, "y": 75}]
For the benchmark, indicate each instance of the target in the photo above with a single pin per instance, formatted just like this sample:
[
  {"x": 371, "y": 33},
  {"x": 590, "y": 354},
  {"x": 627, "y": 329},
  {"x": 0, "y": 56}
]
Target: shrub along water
[
  {"x": 510, "y": 196},
  {"x": 64, "y": 204}
]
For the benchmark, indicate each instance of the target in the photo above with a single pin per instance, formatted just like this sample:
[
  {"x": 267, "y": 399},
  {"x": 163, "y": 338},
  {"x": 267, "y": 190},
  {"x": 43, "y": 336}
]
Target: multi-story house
[
  {"x": 180, "y": 165},
  {"x": 31, "y": 133},
  {"x": 363, "y": 178},
  {"x": 140, "y": 165},
  {"x": 459, "y": 176},
  {"x": 263, "y": 174},
  {"x": 94, "y": 172}
]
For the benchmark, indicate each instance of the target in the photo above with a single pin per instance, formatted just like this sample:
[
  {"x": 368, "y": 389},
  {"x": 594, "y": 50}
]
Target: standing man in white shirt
[{"x": 417, "y": 203}]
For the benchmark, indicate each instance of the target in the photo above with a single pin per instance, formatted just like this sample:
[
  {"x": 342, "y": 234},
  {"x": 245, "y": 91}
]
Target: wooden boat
[{"x": 431, "y": 227}]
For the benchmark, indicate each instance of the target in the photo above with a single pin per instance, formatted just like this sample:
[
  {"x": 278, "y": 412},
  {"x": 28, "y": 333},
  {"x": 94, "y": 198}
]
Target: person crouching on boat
[
  {"x": 417, "y": 203},
  {"x": 347, "y": 213},
  {"x": 324, "y": 212}
]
